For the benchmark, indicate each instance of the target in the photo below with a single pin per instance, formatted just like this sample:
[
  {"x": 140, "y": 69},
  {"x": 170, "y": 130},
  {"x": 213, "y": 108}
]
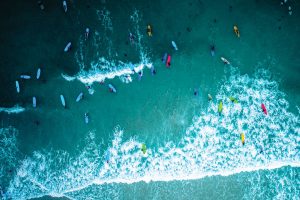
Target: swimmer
[
  {"x": 212, "y": 50},
  {"x": 87, "y": 32},
  {"x": 86, "y": 118}
]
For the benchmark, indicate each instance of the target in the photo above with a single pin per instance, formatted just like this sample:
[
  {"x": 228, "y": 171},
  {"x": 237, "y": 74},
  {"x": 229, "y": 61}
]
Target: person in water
[
  {"x": 87, "y": 32},
  {"x": 131, "y": 38},
  {"x": 195, "y": 92},
  {"x": 153, "y": 71},
  {"x": 212, "y": 50},
  {"x": 140, "y": 73}
]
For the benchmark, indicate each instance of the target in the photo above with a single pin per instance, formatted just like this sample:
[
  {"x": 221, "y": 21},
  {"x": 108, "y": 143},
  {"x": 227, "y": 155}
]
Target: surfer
[
  {"x": 220, "y": 107},
  {"x": 144, "y": 148},
  {"x": 264, "y": 109},
  {"x": 65, "y": 6},
  {"x": 86, "y": 118},
  {"x": 87, "y": 32},
  {"x": 236, "y": 30},
  {"x": 164, "y": 58},
  {"x": 131, "y": 38},
  {"x": 209, "y": 97},
  {"x": 195, "y": 92},
  {"x": 149, "y": 30},
  {"x": 212, "y": 50},
  {"x": 153, "y": 71},
  {"x": 232, "y": 99},
  {"x": 243, "y": 138},
  {"x": 140, "y": 73},
  {"x": 40, "y": 3},
  {"x": 168, "y": 64}
]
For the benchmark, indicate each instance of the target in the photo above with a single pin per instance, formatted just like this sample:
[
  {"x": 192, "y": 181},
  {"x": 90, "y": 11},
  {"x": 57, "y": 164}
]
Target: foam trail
[
  {"x": 102, "y": 67},
  {"x": 210, "y": 146},
  {"x": 12, "y": 110}
]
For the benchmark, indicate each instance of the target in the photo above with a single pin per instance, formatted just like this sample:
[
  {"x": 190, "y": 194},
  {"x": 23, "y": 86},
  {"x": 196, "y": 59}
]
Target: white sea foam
[
  {"x": 12, "y": 110},
  {"x": 96, "y": 68},
  {"x": 211, "y": 146}
]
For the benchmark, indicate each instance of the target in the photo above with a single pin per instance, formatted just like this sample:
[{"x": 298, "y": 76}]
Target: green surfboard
[
  {"x": 144, "y": 148},
  {"x": 220, "y": 107}
]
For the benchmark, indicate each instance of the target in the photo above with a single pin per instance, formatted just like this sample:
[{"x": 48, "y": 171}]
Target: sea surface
[{"x": 192, "y": 150}]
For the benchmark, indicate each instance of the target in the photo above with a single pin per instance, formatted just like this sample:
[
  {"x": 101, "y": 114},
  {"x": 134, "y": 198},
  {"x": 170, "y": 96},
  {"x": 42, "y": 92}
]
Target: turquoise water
[{"x": 192, "y": 151}]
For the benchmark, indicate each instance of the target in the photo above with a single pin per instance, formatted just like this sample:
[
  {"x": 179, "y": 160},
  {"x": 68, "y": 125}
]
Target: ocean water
[{"x": 193, "y": 152}]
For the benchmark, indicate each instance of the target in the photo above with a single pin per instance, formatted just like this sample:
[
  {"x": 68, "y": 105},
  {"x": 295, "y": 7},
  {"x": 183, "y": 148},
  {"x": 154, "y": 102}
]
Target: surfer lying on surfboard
[{"x": 225, "y": 61}]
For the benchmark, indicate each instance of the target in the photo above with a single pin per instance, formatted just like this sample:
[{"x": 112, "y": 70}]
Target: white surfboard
[
  {"x": 112, "y": 88},
  {"x": 80, "y": 96},
  {"x": 38, "y": 73},
  {"x": 174, "y": 45},
  {"x": 62, "y": 99},
  {"x": 34, "y": 102},
  {"x": 225, "y": 60},
  {"x": 68, "y": 46},
  {"x": 86, "y": 118},
  {"x": 25, "y": 76},
  {"x": 17, "y": 86},
  {"x": 65, "y": 6}
]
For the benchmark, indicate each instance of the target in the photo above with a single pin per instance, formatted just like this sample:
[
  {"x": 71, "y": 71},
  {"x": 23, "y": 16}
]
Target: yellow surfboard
[{"x": 243, "y": 138}]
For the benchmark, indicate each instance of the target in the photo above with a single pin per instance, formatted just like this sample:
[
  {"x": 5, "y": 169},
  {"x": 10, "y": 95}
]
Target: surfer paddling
[{"x": 225, "y": 61}]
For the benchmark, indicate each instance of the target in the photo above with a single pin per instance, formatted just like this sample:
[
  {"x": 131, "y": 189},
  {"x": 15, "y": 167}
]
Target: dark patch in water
[
  {"x": 279, "y": 27},
  {"x": 188, "y": 29}
]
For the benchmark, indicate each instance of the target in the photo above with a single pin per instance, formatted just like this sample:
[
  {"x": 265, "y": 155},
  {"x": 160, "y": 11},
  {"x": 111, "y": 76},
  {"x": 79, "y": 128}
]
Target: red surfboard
[
  {"x": 263, "y": 107},
  {"x": 168, "y": 63}
]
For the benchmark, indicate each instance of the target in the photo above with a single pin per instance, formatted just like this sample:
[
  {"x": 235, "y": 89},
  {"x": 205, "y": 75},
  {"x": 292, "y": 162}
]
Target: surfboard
[
  {"x": 68, "y": 46},
  {"x": 225, "y": 60},
  {"x": 220, "y": 107},
  {"x": 17, "y": 86},
  {"x": 164, "y": 58},
  {"x": 174, "y": 45},
  {"x": 209, "y": 97},
  {"x": 263, "y": 107},
  {"x": 232, "y": 99},
  {"x": 65, "y": 6},
  {"x": 107, "y": 156},
  {"x": 80, "y": 96},
  {"x": 144, "y": 148},
  {"x": 86, "y": 118},
  {"x": 62, "y": 99},
  {"x": 168, "y": 63},
  {"x": 34, "y": 102},
  {"x": 38, "y": 73},
  {"x": 25, "y": 77},
  {"x": 112, "y": 88},
  {"x": 243, "y": 138}
]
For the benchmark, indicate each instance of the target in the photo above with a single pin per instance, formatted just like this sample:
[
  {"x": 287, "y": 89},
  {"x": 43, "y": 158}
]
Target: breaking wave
[
  {"x": 210, "y": 146},
  {"x": 13, "y": 110},
  {"x": 101, "y": 61}
]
